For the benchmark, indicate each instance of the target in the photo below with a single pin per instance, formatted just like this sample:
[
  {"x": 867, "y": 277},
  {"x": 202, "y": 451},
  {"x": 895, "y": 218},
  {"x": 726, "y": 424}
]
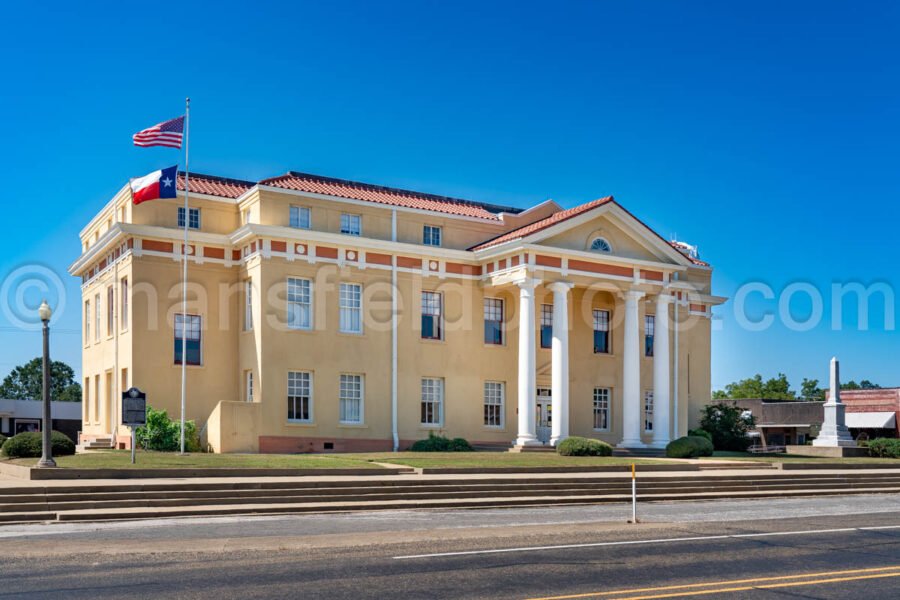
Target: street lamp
[{"x": 47, "y": 426}]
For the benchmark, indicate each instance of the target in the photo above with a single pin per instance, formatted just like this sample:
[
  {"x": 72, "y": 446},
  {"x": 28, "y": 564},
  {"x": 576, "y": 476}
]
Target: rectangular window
[
  {"x": 431, "y": 235},
  {"x": 97, "y": 317},
  {"x": 351, "y": 224},
  {"x": 193, "y": 217},
  {"x": 299, "y": 303},
  {"x": 649, "y": 330},
  {"x": 87, "y": 321},
  {"x": 648, "y": 411},
  {"x": 351, "y": 308},
  {"x": 86, "y": 406},
  {"x": 432, "y": 401},
  {"x": 601, "y": 332},
  {"x": 546, "y": 325},
  {"x": 300, "y": 217},
  {"x": 123, "y": 289},
  {"x": 248, "y": 305},
  {"x": 601, "y": 409},
  {"x": 493, "y": 321},
  {"x": 96, "y": 398},
  {"x": 493, "y": 403},
  {"x": 187, "y": 327},
  {"x": 248, "y": 386},
  {"x": 432, "y": 327},
  {"x": 110, "y": 310},
  {"x": 351, "y": 399},
  {"x": 299, "y": 396}
]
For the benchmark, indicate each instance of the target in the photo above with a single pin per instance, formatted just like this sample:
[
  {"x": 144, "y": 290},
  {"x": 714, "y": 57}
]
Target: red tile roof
[
  {"x": 544, "y": 223},
  {"x": 215, "y": 186},
  {"x": 694, "y": 260},
  {"x": 353, "y": 190}
]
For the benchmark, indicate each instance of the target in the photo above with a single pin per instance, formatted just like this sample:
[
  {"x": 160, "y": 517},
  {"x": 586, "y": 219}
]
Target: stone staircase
[
  {"x": 98, "y": 443},
  {"x": 143, "y": 500}
]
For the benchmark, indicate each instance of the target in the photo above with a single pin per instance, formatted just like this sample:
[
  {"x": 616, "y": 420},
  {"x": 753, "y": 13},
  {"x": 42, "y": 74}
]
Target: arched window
[{"x": 601, "y": 245}]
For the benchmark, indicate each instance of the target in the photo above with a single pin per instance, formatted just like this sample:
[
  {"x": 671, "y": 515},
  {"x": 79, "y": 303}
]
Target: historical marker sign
[{"x": 134, "y": 408}]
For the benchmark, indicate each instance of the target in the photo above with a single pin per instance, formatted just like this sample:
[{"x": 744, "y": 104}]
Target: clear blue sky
[{"x": 767, "y": 133}]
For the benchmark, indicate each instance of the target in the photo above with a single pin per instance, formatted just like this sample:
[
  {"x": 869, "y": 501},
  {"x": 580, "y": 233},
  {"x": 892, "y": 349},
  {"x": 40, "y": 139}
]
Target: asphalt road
[{"x": 838, "y": 547}]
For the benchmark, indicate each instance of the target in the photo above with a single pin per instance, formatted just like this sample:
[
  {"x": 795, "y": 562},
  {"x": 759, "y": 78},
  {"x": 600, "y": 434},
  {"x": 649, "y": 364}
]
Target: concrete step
[
  {"x": 68, "y": 502},
  {"x": 489, "y": 502}
]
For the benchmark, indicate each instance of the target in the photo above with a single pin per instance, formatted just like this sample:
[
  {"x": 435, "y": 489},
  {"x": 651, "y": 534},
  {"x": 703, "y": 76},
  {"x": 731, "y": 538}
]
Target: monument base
[{"x": 827, "y": 451}]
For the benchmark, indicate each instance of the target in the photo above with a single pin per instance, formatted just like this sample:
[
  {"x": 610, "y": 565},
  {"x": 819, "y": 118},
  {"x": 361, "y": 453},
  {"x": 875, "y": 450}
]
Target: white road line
[{"x": 645, "y": 542}]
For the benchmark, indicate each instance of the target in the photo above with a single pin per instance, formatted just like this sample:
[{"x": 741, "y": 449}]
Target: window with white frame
[
  {"x": 432, "y": 326},
  {"x": 432, "y": 401},
  {"x": 601, "y": 332},
  {"x": 493, "y": 403},
  {"x": 351, "y": 224},
  {"x": 248, "y": 305},
  {"x": 248, "y": 386},
  {"x": 431, "y": 235},
  {"x": 601, "y": 409},
  {"x": 110, "y": 310},
  {"x": 193, "y": 217},
  {"x": 299, "y": 396},
  {"x": 601, "y": 245},
  {"x": 351, "y": 308},
  {"x": 87, "y": 321},
  {"x": 299, "y": 303},
  {"x": 97, "y": 317},
  {"x": 188, "y": 334},
  {"x": 649, "y": 332},
  {"x": 300, "y": 217},
  {"x": 546, "y": 325},
  {"x": 493, "y": 321},
  {"x": 351, "y": 399},
  {"x": 123, "y": 289},
  {"x": 648, "y": 411}
]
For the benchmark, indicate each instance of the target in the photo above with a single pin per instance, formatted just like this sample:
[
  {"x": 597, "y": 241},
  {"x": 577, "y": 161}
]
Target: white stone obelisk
[{"x": 834, "y": 430}]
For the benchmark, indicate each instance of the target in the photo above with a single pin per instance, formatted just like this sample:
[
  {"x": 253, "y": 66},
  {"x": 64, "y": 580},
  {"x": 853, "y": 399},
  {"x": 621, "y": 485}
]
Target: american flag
[{"x": 168, "y": 133}]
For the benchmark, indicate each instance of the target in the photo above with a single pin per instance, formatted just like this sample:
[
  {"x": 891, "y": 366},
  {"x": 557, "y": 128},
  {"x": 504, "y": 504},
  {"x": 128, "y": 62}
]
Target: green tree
[
  {"x": 728, "y": 424},
  {"x": 776, "y": 388},
  {"x": 865, "y": 384},
  {"x": 810, "y": 390},
  {"x": 25, "y": 382}
]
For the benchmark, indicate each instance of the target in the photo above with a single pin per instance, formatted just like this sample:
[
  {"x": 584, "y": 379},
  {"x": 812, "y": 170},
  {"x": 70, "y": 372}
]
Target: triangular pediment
[{"x": 625, "y": 235}]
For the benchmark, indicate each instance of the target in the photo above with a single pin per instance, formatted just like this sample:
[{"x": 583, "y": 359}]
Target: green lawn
[
  {"x": 498, "y": 459},
  {"x": 121, "y": 459},
  {"x": 104, "y": 459},
  {"x": 773, "y": 458}
]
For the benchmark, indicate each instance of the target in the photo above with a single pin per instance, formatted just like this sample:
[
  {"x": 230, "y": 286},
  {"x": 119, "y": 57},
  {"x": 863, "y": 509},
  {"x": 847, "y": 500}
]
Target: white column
[
  {"x": 631, "y": 374},
  {"x": 560, "y": 362},
  {"x": 661, "y": 375},
  {"x": 527, "y": 382}
]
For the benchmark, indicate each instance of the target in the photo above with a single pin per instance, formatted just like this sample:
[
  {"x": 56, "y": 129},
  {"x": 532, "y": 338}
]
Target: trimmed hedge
[
  {"x": 439, "y": 443},
  {"x": 579, "y": 446},
  {"x": 29, "y": 445},
  {"x": 690, "y": 446},
  {"x": 884, "y": 447},
  {"x": 700, "y": 433}
]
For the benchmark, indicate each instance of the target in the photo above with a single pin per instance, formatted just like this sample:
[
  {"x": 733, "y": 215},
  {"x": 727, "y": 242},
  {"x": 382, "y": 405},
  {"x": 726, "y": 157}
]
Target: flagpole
[{"x": 184, "y": 253}]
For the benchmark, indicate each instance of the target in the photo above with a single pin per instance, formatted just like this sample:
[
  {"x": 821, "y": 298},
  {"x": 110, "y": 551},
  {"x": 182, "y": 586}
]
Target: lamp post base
[{"x": 45, "y": 463}]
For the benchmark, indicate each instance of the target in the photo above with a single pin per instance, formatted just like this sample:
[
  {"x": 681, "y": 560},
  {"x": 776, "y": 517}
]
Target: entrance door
[{"x": 543, "y": 415}]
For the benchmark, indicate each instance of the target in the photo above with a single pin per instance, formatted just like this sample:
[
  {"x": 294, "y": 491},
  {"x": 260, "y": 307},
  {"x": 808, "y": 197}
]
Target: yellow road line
[{"x": 732, "y": 582}]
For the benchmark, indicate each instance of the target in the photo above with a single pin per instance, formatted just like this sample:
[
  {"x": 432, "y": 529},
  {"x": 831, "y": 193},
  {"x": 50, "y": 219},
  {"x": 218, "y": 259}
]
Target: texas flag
[{"x": 158, "y": 184}]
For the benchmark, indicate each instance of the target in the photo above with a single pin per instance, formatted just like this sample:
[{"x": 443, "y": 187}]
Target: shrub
[
  {"x": 3, "y": 439},
  {"x": 700, "y": 433},
  {"x": 884, "y": 447},
  {"x": 579, "y": 446},
  {"x": 690, "y": 446},
  {"x": 163, "y": 434},
  {"x": 30, "y": 445},
  {"x": 439, "y": 443},
  {"x": 728, "y": 424}
]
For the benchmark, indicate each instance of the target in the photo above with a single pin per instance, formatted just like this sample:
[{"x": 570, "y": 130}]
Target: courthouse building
[{"x": 330, "y": 315}]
